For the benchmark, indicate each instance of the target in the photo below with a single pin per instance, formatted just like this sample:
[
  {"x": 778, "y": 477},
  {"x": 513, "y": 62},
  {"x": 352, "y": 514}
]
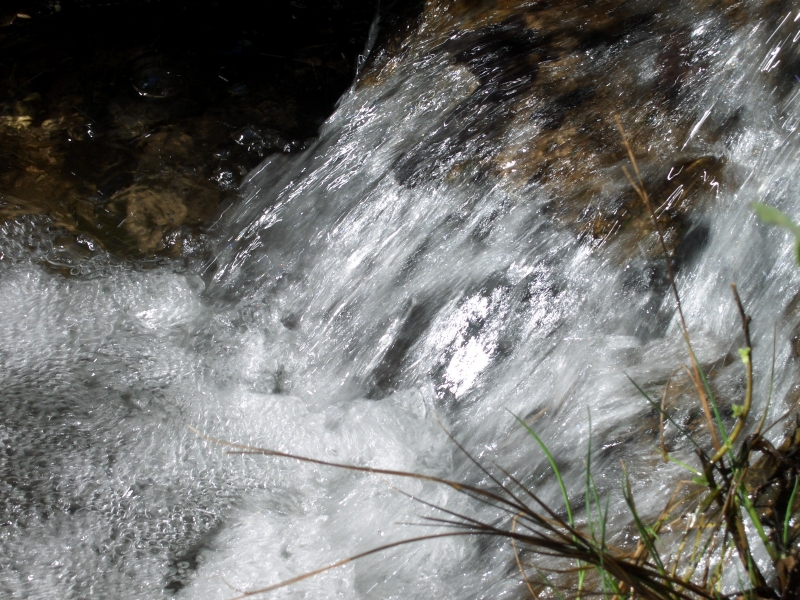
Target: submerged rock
[
  {"x": 550, "y": 80},
  {"x": 88, "y": 87}
]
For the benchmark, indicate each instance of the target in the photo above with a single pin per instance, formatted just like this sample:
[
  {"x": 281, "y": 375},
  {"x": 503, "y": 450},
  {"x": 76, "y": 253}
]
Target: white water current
[{"x": 393, "y": 276}]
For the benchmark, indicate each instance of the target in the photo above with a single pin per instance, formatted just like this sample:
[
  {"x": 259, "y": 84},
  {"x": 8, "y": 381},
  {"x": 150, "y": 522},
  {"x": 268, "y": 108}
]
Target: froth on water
[{"x": 459, "y": 245}]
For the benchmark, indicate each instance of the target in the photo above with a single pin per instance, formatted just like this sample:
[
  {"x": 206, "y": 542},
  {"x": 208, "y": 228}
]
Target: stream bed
[{"x": 457, "y": 244}]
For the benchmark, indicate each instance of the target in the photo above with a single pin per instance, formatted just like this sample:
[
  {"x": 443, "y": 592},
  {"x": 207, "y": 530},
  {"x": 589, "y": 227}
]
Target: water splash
[{"x": 459, "y": 242}]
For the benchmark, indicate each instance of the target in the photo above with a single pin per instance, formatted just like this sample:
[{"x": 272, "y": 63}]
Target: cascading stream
[{"x": 458, "y": 246}]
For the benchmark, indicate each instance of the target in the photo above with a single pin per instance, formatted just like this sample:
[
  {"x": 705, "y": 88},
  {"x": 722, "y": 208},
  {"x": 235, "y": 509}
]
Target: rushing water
[{"x": 460, "y": 244}]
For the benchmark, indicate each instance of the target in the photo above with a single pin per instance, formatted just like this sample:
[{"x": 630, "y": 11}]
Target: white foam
[{"x": 366, "y": 310}]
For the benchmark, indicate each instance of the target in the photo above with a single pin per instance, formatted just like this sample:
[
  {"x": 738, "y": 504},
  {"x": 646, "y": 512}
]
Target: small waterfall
[{"x": 460, "y": 245}]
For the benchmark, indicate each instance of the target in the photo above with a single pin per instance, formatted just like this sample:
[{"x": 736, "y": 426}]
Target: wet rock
[
  {"x": 261, "y": 141},
  {"x": 550, "y": 80},
  {"x": 155, "y": 78},
  {"x": 149, "y": 215},
  {"x": 109, "y": 108}
]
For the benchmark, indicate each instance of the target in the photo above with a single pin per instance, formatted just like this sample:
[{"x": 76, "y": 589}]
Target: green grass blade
[
  {"x": 772, "y": 216},
  {"x": 751, "y": 512},
  {"x": 603, "y": 523},
  {"x": 644, "y": 533},
  {"x": 552, "y": 587},
  {"x": 597, "y": 506},
  {"x": 711, "y": 400},
  {"x": 564, "y": 494},
  {"x": 788, "y": 515},
  {"x": 657, "y": 406},
  {"x": 588, "y": 482},
  {"x": 760, "y": 427},
  {"x": 672, "y": 459},
  {"x": 553, "y": 466}
]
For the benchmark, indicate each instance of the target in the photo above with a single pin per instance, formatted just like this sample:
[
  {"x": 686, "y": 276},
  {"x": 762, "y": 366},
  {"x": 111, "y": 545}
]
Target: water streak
[{"x": 459, "y": 244}]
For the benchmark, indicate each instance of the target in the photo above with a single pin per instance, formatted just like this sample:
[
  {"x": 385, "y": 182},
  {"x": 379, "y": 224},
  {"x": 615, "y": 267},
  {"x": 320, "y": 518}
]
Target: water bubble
[
  {"x": 224, "y": 178},
  {"x": 157, "y": 83},
  {"x": 260, "y": 141}
]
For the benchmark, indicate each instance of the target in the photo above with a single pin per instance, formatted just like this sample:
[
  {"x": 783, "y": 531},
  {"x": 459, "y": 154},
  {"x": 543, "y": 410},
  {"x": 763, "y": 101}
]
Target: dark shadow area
[{"x": 129, "y": 121}]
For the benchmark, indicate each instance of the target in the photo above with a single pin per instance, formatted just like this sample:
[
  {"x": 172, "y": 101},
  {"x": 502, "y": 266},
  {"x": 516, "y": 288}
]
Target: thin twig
[
  {"x": 641, "y": 191},
  {"x": 664, "y": 454},
  {"x": 519, "y": 562},
  {"x": 746, "y": 356}
]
